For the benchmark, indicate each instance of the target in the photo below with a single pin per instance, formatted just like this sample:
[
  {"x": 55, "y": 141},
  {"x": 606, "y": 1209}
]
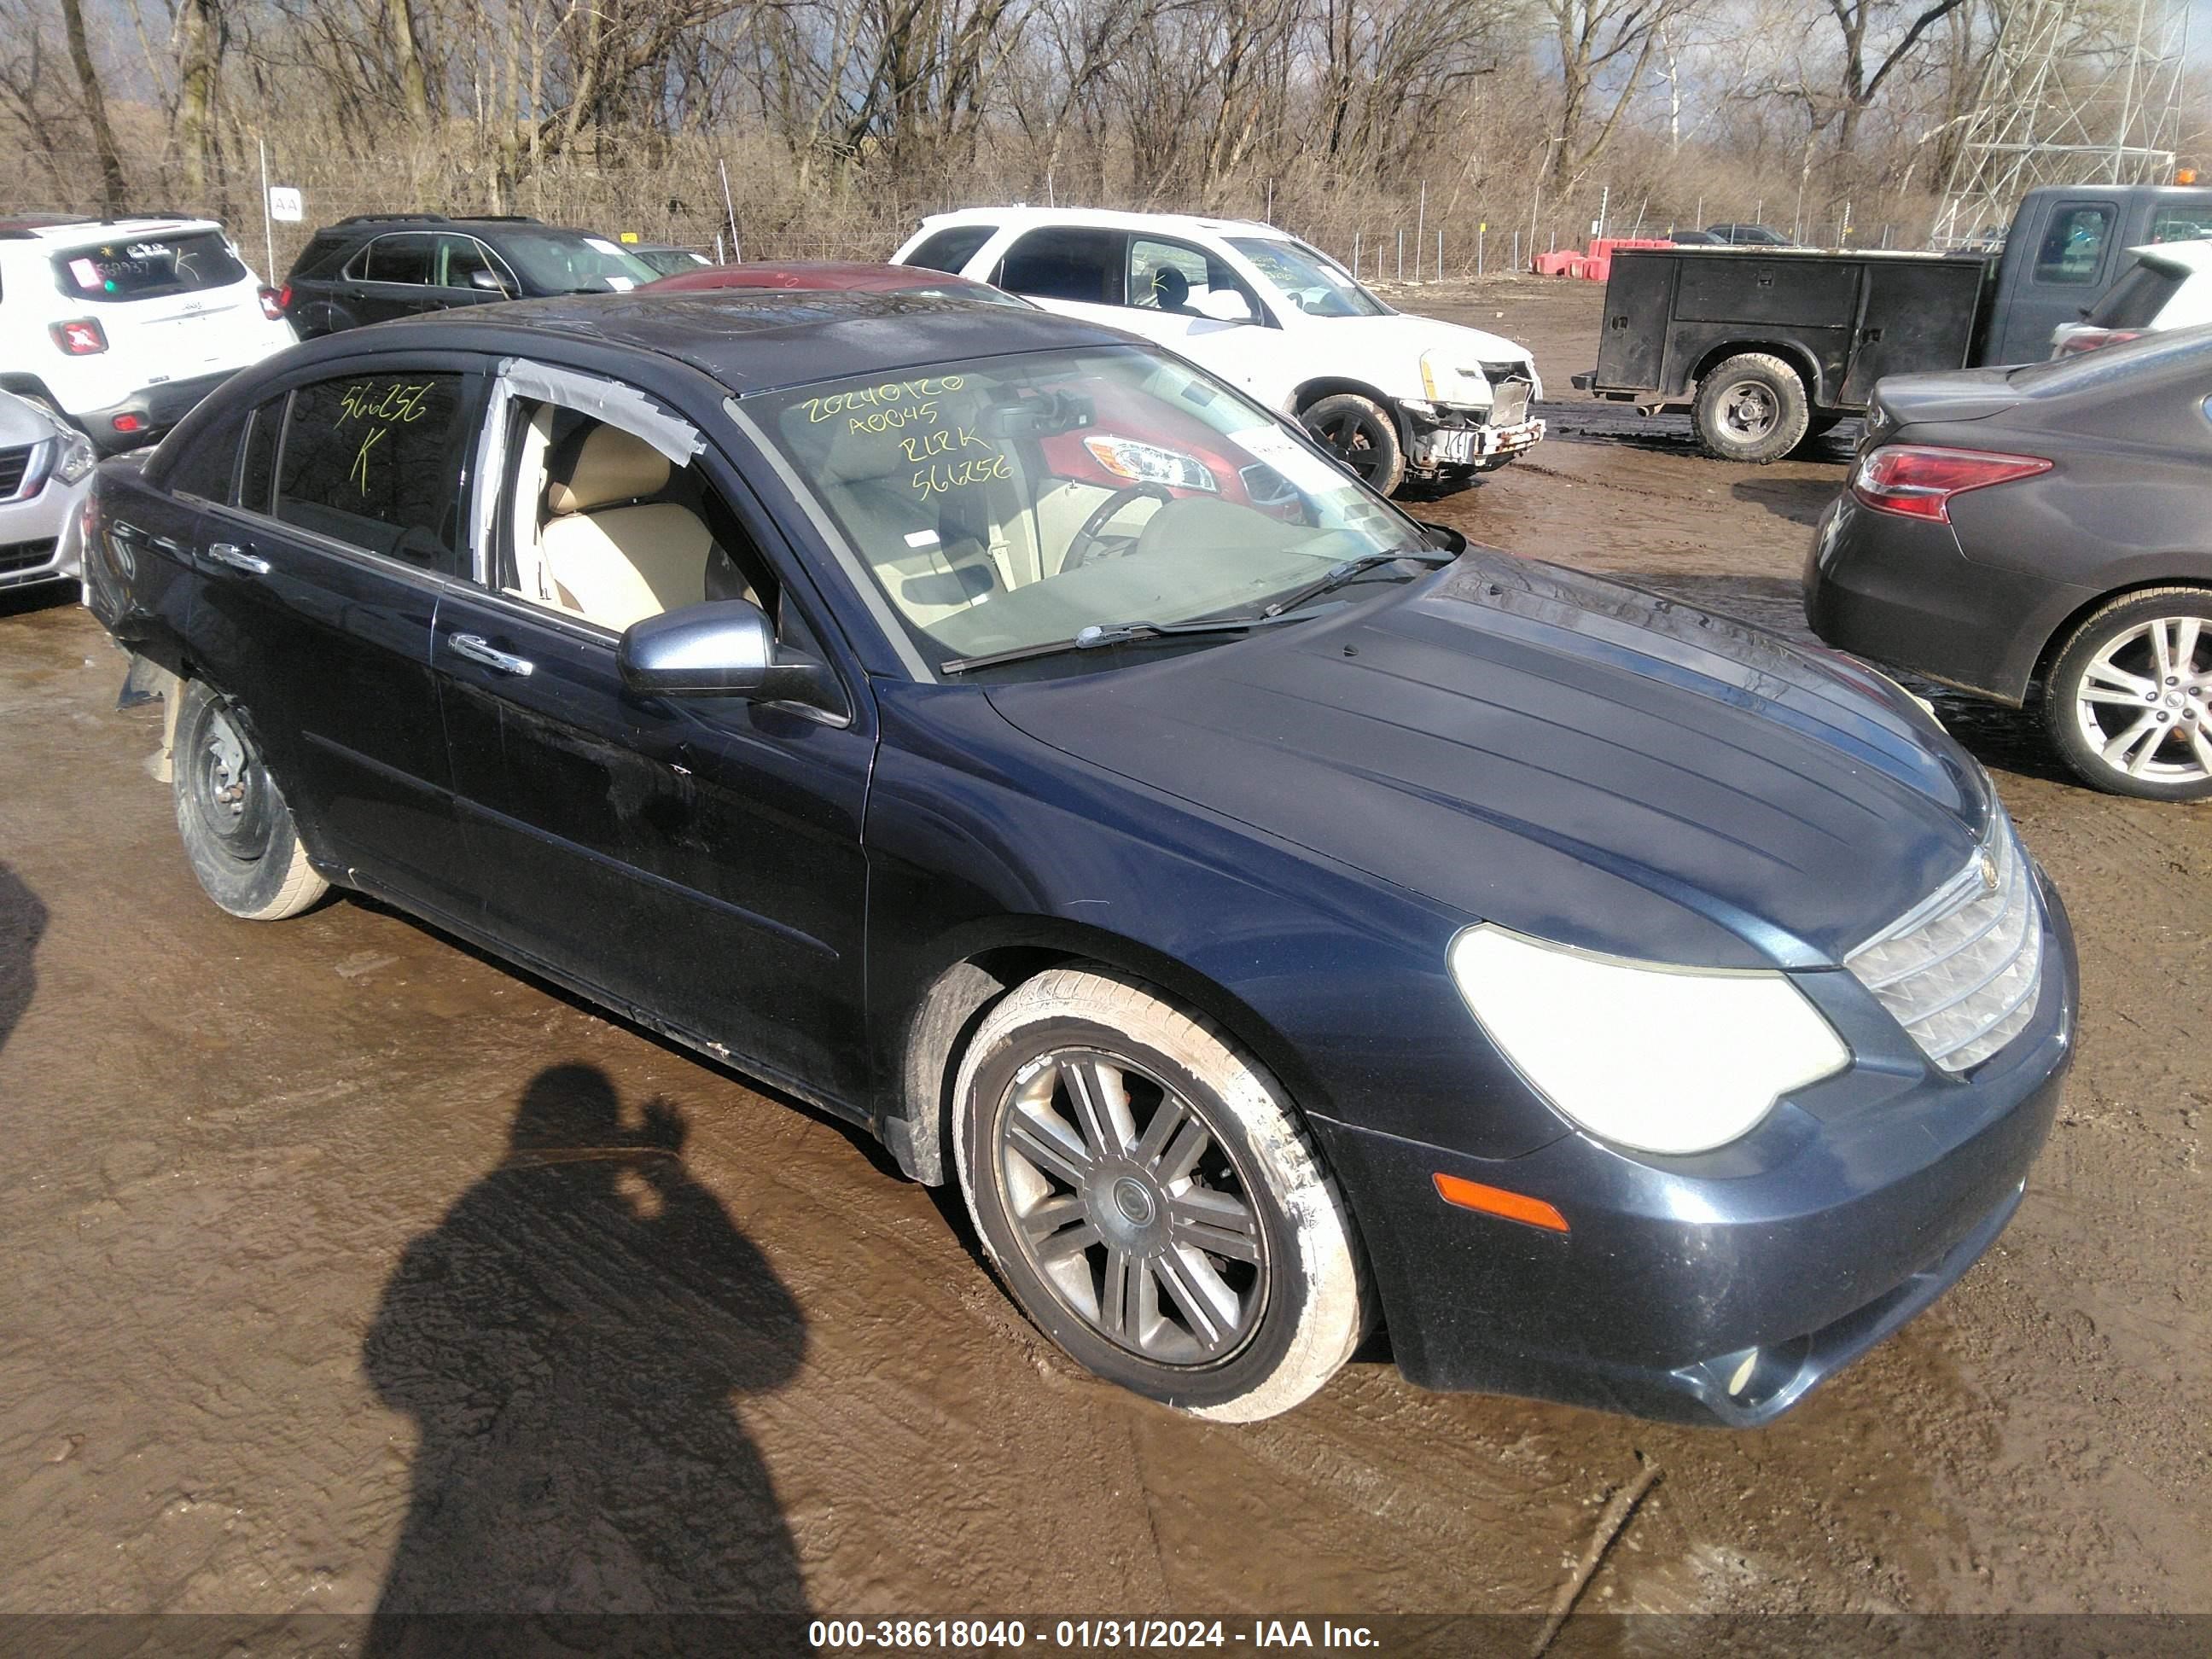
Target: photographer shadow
[{"x": 568, "y": 1340}]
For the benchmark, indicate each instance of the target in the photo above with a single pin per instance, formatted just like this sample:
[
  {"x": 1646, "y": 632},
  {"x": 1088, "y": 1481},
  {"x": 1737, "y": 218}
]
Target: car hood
[
  {"x": 1399, "y": 334},
  {"x": 1570, "y": 757},
  {"x": 20, "y": 423}
]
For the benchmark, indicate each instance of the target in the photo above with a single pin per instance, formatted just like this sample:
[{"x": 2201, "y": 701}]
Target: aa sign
[{"x": 284, "y": 204}]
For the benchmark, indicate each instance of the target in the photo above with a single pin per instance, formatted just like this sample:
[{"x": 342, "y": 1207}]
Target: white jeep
[
  {"x": 121, "y": 326},
  {"x": 1397, "y": 397}
]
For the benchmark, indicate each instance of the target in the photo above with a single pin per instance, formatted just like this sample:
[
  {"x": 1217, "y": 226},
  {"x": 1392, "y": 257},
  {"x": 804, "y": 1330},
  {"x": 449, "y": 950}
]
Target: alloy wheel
[
  {"x": 1131, "y": 1208},
  {"x": 2141, "y": 702},
  {"x": 1353, "y": 437}
]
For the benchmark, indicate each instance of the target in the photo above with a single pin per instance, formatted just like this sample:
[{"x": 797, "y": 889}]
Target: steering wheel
[{"x": 1079, "y": 545}]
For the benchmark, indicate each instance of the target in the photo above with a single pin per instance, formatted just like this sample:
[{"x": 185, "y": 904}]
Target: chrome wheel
[
  {"x": 1132, "y": 1209},
  {"x": 2141, "y": 701},
  {"x": 1748, "y": 410}
]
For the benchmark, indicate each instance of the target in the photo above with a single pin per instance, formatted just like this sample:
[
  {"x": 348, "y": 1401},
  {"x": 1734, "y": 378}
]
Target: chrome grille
[
  {"x": 14, "y": 463},
  {"x": 1961, "y": 971}
]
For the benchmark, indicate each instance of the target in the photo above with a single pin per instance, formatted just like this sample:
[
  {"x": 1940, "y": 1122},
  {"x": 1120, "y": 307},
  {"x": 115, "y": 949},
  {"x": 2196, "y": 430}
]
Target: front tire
[
  {"x": 1362, "y": 434},
  {"x": 1150, "y": 1200},
  {"x": 2130, "y": 695},
  {"x": 1752, "y": 407},
  {"x": 238, "y": 832}
]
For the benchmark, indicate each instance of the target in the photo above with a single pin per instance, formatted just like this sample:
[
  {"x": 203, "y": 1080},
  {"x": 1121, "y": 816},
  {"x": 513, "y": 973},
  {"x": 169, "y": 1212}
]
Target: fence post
[
  {"x": 1481, "y": 230},
  {"x": 1355, "y": 254},
  {"x": 1440, "y": 254},
  {"x": 736, "y": 247},
  {"x": 1420, "y": 228},
  {"x": 1401, "y": 254},
  {"x": 1516, "y": 252},
  {"x": 267, "y": 235}
]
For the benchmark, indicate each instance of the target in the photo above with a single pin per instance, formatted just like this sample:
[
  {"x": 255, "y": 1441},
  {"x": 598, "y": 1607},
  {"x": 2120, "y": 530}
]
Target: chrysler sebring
[{"x": 1282, "y": 920}]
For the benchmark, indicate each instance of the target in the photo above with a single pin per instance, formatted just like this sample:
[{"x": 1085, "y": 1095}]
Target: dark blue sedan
[{"x": 1280, "y": 918}]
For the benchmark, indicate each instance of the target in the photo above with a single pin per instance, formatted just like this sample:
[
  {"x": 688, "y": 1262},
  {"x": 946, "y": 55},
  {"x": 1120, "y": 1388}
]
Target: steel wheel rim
[
  {"x": 2141, "y": 707},
  {"x": 1354, "y": 437},
  {"x": 227, "y": 790},
  {"x": 1749, "y": 410},
  {"x": 1132, "y": 1209}
]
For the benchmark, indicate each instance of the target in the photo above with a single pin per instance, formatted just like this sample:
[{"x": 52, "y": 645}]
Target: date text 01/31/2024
[{"x": 1081, "y": 1635}]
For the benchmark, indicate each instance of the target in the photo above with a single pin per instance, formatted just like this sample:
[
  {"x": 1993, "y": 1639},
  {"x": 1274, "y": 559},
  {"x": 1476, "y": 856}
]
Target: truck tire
[
  {"x": 1752, "y": 407},
  {"x": 1361, "y": 433},
  {"x": 237, "y": 830}
]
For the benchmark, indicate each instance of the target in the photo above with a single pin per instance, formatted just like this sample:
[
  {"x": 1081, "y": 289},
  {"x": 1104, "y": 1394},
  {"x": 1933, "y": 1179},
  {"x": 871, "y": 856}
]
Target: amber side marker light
[{"x": 1496, "y": 1200}]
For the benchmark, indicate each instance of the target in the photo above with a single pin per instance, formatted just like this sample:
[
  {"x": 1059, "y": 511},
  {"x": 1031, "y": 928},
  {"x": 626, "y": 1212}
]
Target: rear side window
[
  {"x": 951, "y": 250},
  {"x": 149, "y": 267},
  {"x": 396, "y": 259},
  {"x": 375, "y": 462},
  {"x": 2137, "y": 299},
  {"x": 1067, "y": 262},
  {"x": 2073, "y": 249},
  {"x": 2181, "y": 224},
  {"x": 208, "y": 470}
]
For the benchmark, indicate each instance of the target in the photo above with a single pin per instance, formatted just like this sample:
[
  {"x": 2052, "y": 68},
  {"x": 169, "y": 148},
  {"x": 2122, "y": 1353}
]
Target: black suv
[{"x": 374, "y": 266}]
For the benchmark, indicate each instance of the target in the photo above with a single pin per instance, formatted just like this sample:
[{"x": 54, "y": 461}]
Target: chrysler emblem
[{"x": 1989, "y": 874}]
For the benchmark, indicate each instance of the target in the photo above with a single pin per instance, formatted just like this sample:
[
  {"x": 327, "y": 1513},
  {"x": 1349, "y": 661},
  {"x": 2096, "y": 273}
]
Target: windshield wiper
[
  {"x": 1337, "y": 574},
  {"x": 1104, "y": 634}
]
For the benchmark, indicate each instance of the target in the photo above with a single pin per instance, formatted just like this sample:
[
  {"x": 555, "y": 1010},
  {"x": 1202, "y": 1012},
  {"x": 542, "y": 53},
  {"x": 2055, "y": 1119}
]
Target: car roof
[
  {"x": 377, "y": 224},
  {"x": 838, "y": 275},
  {"x": 2185, "y": 258},
  {"x": 1179, "y": 224},
  {"x": 79, "y": 227},
  {"x": 749, "y": 340}
]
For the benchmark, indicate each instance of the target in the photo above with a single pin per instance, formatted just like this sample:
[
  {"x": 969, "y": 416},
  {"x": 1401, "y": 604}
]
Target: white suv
[
  {"x": 123, "y": 324},
  {"x": 1396, "y": 397}
]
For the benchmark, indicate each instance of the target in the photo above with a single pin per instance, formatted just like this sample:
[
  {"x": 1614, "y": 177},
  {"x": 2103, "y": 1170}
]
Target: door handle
[
  {"x": 236, "y": 557},
  {"x": 477, "y": 650}
]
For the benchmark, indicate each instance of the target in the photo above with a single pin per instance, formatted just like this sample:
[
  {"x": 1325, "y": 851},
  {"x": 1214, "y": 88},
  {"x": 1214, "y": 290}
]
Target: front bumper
[
  {"x": 1902, "y": 591},
  {"x": 39, "y": 537},
  {"x": 1783, "y": 1261},
  {"x": 1433, "y": 447}
]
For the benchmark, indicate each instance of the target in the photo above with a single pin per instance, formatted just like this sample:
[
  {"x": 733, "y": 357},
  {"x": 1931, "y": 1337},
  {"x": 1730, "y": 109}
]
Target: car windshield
[
  {"x": 149, "y": 267},
  {"x": 575, "y": 264},
  {"x": 1001, "y": 503},
  {"x": 1308, "y": 279}
]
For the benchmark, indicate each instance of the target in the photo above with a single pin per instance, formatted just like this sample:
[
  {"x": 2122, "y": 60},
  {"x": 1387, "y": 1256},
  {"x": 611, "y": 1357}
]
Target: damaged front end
[{"x": 1476, "y": 418}]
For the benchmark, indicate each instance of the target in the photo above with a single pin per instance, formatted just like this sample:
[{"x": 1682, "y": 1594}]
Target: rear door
[
  {"x": 320, "y": 575},
  {"x": 1078, "y": 271}
]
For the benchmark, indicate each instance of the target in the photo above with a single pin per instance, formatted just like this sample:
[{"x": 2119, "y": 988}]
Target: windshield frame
[{"x": 754, "y": 412}]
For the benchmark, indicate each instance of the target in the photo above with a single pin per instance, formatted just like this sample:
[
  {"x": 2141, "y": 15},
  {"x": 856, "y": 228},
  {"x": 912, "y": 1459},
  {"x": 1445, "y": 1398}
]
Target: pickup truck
[{"x": 1765, "y": 347}]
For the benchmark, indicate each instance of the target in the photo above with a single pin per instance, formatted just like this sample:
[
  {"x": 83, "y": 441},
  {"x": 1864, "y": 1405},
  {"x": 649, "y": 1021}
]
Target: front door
[
  {"x": 2076, "y": 259},
  {"x": 695, "y": 859},
  {"x": 320, "y": 571}
]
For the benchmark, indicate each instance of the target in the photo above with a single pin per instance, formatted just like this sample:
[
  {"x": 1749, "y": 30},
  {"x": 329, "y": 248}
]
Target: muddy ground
[{"x": 345, "y": 1267}]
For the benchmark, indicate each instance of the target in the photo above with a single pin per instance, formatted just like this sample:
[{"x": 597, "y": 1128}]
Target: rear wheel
[
  {"x": 237, "y": 830},
  {"x": 2130, "y": 694},
  {"x": 1151, "y": 1201},
  {"x": 1362, "y": 434},
  {"x": 1752, "y": 407}
]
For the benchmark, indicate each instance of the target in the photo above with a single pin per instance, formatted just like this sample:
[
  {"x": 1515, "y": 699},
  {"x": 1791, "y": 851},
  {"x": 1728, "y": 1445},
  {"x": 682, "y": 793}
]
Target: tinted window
[
  {"x": 1067, "y": 262},
  {"x": 951, "y": 250},
  {"x": 2137, "y": 299},
  {"x": 2072, "y": 248},
  {"x": 2181, "y": 224},
  {"x": 460, "y": 258},
  {"x": 375, "y": 462},
  {"x": 398, "y": 259},
  {"x": 146, "y": 267},
  {"x": 207, "y": 468}
]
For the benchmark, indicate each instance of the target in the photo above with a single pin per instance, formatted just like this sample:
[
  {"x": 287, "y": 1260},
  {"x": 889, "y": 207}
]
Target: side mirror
[
  {"x": 1222, "y": 305},
  {"x": 488, "y": 282},
  {"x": 726, "y": 648}
]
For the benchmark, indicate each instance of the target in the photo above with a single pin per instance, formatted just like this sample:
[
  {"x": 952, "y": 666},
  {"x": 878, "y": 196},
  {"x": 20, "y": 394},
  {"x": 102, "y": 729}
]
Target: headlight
[
  {"x": 1447, "y": 382},
  {"x": 1651, "y": 1056},
  {"x": 1144, "y": 463},
  {"x": 77, "y": 459}
]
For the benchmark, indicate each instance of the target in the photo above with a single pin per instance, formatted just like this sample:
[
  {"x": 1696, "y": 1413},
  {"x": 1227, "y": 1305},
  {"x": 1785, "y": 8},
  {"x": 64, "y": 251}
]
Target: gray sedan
[
  {"x": 45, "y": 467},
  {"x": 2043, "y": 536}
]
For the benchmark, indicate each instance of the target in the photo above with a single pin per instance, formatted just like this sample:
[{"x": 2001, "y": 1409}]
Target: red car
[{"x": 844, "y": 274}]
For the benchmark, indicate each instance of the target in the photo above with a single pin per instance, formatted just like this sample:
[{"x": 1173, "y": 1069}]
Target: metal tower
[{"x": 2076, "y": 92}]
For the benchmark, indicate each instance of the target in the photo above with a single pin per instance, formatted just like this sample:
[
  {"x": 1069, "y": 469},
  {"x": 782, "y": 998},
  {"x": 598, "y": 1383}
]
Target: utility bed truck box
[{"x": 1768, "y": 346}]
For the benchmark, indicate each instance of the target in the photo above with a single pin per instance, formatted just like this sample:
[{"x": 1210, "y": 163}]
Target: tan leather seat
[{"x": 615, "y": 564}]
